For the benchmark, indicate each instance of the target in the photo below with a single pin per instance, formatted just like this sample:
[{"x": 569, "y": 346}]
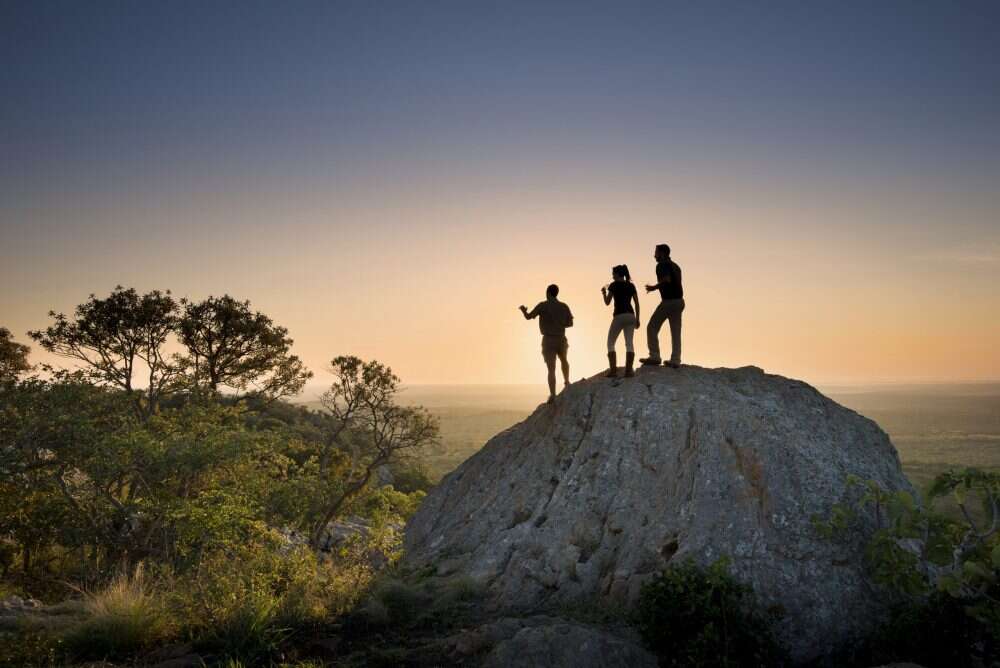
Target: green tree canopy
[
  {"x": 230, "y": 345},
  {"x": 117, "y": 338},
  {"x": 367, "y": 421}
]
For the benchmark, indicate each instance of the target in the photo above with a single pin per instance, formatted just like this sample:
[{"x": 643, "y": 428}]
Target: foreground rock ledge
[{"x": 592, "y": 496}]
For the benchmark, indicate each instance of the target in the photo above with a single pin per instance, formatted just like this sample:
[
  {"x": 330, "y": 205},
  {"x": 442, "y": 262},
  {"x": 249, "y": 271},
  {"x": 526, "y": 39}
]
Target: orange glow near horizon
[{"x": 808, "y": 288}]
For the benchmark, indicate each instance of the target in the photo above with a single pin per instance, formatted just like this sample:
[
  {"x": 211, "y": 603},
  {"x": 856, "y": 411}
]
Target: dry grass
[{"x": 123, "y": 617}]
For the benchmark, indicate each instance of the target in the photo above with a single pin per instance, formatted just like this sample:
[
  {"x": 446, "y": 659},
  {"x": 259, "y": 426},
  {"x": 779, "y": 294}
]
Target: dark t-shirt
[
  {"x": 673, "y": 289},
  {"x": 622, "y": 292},
  {"x": 553, "y": 317}
]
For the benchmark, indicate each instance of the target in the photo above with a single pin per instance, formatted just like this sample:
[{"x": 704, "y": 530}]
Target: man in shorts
[{"x": 553, "y": 319}]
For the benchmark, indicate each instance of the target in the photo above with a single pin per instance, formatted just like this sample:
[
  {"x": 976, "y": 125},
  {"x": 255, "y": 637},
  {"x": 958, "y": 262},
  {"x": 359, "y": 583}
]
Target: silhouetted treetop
[
  {"x": 110, "y": 336},
  {"x": 230, "y": 345}
]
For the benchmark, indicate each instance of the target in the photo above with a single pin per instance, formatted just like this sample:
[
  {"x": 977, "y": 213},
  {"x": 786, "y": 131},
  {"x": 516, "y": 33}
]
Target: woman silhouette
[{"x": 624, "y": 319}]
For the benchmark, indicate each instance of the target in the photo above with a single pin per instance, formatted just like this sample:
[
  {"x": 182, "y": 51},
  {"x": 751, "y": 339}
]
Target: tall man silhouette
[
  {"x": 668, "y": 282},
  {"x": 553, "y": 319}
]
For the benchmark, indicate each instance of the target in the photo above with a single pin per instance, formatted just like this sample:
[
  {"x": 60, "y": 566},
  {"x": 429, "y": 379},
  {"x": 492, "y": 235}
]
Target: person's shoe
[
  {"x": 649, "y": 361},
  {"x": 629, "y": 360},
  {"x": 612, "y": 366},
  {"x": 552, "y": 399},
  {"x": 672, "y": 365}
]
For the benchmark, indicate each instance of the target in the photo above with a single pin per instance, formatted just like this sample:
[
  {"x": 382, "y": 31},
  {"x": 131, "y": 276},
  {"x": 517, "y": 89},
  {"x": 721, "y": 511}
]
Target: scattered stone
[
  {"x": 15, "y": 605},
  {"x": 596, "y": 494}
]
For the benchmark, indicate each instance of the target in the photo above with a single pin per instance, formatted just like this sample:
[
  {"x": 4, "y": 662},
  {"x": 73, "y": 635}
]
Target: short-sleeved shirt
[
  {"x": 622, "y": 291},
  {"x": 673, "y": 289},
  {"x": 553, "y": 317}
]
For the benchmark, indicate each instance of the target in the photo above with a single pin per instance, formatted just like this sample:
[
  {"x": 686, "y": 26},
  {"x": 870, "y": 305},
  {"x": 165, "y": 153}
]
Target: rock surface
[
  {"x": 567, "y": 645},
  {"x": 594, "y": 495}
]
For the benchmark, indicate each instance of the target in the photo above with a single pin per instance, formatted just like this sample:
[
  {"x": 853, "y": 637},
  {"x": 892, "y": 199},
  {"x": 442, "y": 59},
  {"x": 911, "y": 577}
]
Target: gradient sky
[{"x": 392, "y": 179}]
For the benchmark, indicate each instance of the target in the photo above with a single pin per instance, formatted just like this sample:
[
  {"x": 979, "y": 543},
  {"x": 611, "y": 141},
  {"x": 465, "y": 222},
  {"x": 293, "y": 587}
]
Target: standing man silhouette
[
  {"x": 553, "y": 319},
  {"x": 668, "y": 282}
]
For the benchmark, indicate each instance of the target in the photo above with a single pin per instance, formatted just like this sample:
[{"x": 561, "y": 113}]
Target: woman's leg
[
  {"x": 629, "y": 329},
  {"x": 613, "y": 331}
]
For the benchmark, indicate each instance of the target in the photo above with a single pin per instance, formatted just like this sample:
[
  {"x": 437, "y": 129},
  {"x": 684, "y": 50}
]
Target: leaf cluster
[
  {"x": 915, "y": 552},
  {"x": 695, "y": 616}
]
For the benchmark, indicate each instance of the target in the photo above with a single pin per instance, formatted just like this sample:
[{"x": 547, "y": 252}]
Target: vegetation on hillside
[
  {"x": 940, "y": 576},
  {"x": 191, "y": 507}
]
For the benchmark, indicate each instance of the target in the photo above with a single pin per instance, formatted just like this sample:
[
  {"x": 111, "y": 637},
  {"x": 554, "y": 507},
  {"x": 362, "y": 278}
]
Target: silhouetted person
[
  {"x": 624, "y": 319},
  {"x": 553, "y": 319},
  {"x": 668, "y": 282}
]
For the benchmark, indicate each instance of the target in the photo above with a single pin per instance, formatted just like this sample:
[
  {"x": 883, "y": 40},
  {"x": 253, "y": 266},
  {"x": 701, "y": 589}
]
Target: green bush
[
  {"x": 693, "y": 616},
  {"x": 942, "y": 575}
]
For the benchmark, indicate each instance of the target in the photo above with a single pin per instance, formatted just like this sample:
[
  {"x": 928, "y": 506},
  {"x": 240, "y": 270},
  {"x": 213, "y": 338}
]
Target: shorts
[{"x": 553, "y": 346}]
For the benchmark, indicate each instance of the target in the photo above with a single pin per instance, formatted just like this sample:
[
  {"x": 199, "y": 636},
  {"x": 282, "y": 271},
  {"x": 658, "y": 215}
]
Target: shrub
[
  {"x": 693, "y": 616},
  {"x": 121, "y": 618},
  {"x": 245, "y": 601},
  {"x": 943, "y": 575}
]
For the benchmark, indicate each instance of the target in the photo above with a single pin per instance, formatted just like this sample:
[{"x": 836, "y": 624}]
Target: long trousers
[
  {"x": 623, "y": 322},
  {"x": 669, "y": 310}
]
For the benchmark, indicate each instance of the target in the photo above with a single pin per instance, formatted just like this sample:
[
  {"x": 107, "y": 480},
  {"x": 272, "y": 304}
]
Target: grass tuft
[{"x": 120, "y": 619}]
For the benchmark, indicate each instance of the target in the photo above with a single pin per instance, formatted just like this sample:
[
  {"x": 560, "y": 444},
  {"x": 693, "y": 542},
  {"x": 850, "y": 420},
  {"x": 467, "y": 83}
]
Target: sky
[{"x": 392, "y": 179}]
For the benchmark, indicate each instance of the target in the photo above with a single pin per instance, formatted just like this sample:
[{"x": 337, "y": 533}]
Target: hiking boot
[
  {"x": 649, "y": 361},
  {"x": 672, "y": 365},
  {"x": 612, "y": 366},
  {"x": 629, "y": 359}
]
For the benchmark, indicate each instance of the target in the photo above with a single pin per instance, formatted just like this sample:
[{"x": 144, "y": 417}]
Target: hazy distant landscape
[{"x": 934, "y": 427}]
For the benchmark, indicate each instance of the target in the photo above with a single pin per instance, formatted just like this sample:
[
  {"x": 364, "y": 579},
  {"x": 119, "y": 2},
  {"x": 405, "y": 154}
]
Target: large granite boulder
[{"x": 593, "y": 495}]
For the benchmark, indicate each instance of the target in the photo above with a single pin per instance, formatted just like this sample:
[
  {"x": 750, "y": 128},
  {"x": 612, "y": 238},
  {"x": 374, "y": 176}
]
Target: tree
[
  {"x": 111, "y": 336},
  {"x": 46, "y": 430},
  {"x": 229, "y": 345},
  {"x": 13, "y": 356},
  {"x": 79, "y": 470},
  {"x": 367, "y": 422}
]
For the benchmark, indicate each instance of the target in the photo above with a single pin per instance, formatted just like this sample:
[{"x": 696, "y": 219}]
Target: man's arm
[
  {"x": 529, "y": 315},
  {"x": 667, "y": 280},
  {"x": 569, "y": 317}
]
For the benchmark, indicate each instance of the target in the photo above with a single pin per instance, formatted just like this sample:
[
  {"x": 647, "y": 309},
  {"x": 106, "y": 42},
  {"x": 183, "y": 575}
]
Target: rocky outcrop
[{"x": 592, "y": 496}]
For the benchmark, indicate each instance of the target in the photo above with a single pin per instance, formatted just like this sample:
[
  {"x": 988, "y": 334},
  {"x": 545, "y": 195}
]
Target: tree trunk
[{"x": 332, "y": 511}]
